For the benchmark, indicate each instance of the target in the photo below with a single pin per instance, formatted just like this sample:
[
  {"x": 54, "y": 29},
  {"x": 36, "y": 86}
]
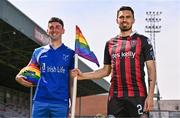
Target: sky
[{"x": 97, "y": 21}]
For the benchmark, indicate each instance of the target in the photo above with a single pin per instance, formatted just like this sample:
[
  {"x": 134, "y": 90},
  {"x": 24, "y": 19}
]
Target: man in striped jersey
[{"x": 124, "y": 57}]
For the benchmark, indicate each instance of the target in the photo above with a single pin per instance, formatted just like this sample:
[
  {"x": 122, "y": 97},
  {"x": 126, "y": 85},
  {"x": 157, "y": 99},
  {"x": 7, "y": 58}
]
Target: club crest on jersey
[
  {"x": 133, "y": 43},
  {"x": 65, "y": 57}
]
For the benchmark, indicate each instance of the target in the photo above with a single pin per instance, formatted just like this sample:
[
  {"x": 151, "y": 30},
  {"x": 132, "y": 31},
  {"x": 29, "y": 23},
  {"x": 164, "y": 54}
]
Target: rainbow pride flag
[{"x": 82, "y": 47}]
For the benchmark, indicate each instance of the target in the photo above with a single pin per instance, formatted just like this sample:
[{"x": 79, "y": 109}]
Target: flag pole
[
  {"x": 74, "y": 90},
  {"x": 31, "y": 99}
]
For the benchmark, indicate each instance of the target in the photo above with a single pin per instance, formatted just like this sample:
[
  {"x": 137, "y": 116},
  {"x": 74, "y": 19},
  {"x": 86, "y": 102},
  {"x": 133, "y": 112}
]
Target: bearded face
[
  {"x": 125, "y": 20},
  {"x": 125, "y": 26}
]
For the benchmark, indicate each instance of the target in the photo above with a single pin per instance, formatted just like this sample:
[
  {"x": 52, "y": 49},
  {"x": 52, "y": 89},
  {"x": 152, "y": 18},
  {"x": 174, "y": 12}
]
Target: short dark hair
[
  {"x": 125, "y": 8},
  {"x": 55, "y": 19}
]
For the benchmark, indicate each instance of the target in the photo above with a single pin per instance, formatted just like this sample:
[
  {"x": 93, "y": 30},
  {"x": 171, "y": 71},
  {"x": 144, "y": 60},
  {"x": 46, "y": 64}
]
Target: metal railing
[{"x": 153, "y": 114}]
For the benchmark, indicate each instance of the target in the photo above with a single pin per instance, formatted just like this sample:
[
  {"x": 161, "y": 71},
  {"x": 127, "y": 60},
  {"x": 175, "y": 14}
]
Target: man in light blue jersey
[{"x": 55, "y": 61}]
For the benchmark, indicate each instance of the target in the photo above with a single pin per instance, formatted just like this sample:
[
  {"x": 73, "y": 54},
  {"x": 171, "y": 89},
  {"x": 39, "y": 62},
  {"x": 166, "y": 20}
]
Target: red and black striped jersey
[{"x": 127, "y": 55}]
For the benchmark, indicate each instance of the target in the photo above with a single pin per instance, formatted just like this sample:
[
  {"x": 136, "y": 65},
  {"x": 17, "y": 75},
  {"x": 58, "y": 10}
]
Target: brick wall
[
  {"x": 91, "y": 105},
  {"x": 97, "y": 104}
]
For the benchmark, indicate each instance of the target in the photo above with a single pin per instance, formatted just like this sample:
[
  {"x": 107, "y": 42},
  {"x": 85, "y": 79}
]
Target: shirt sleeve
[
  {"x": 107, "y": 57},
  {"x": 33, "y": 60},
  {"x": 148, "y": 51}
]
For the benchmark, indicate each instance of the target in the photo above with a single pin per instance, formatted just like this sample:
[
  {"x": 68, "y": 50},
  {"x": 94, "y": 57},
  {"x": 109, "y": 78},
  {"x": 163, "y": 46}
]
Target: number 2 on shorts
[{"x": 140, "y": 110}]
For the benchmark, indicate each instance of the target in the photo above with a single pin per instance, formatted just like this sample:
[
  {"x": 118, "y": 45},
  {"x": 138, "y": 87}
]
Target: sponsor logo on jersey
[
  {"x": 129, "y": 54},
  {"x": 53, "y": 69},
  {"x": 43, "y": 56}
]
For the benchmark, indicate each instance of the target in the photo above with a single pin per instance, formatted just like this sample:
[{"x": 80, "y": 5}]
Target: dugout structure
[{"x": 19, "y": 36}]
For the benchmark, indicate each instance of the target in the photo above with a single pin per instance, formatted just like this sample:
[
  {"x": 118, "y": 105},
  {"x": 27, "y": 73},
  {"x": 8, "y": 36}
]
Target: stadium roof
[{"x": 19, "y": 36}]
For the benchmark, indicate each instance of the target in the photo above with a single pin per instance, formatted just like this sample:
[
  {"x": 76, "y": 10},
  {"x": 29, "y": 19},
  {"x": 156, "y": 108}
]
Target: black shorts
[{"x": 126, "y": 107}]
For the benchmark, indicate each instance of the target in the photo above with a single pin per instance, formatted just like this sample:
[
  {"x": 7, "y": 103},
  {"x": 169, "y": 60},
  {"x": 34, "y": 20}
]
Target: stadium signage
[{"x": 40, "y": 37}]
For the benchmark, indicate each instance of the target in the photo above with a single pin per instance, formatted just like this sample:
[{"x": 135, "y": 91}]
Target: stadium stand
[{"x": 13, "y": 103}]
